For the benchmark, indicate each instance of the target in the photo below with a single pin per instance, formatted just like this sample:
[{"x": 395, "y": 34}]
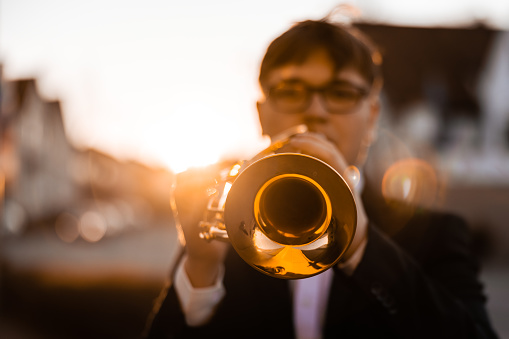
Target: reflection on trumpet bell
[
  {"x": 292, "y": 209},
  {"x": 290, "y": 215},
  {"x": 287, "y": 215}
]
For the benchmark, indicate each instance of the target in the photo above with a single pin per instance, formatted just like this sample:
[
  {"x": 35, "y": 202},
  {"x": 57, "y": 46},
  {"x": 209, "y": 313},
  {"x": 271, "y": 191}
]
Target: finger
[{"x": 321, "y": 148}]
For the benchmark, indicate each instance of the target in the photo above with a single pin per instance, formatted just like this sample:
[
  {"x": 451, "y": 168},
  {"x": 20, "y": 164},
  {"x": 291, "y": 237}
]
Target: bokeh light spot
[
  {"x": 66, "y": 227},
  {"x": 412, "y": 181},
  {"x": 14, "y": 217},
  {"x": 92, "y": 226}
]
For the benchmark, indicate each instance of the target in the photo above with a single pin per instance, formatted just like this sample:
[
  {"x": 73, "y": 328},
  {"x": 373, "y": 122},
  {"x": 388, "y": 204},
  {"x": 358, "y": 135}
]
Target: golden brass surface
[{"x": 290, "y": 215}]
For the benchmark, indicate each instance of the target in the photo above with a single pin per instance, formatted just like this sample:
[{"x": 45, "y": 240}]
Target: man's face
[{"x": 349, "y": 124}]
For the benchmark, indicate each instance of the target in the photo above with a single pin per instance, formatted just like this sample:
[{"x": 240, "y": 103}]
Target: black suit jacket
[{"x": 419, "y": 282}]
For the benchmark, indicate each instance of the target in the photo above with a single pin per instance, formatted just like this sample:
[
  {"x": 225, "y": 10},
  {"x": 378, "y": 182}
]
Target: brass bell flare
[{"x": 290, "y": 215}]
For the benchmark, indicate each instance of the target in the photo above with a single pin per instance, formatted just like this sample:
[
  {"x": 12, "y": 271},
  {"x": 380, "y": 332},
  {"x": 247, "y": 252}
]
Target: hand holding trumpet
[
  {"x": 204, "y": 259},
  {"x": 332, "y": 230},
  {"x": 318, "y": 146}
]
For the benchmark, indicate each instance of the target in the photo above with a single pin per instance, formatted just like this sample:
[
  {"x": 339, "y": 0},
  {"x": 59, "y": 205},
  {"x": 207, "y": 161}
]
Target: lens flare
[{"x": 412, "y": 181}]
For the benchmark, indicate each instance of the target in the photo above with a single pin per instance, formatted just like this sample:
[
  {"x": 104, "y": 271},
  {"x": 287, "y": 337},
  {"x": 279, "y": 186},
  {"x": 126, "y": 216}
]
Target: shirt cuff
[{"x": 198, "y": 304}]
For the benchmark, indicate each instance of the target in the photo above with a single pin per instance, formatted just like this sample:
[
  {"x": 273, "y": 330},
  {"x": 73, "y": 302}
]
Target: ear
[
  {"x": 262, "y": 116},
  {"x": 375, "y": 107},
  {"x": 371, "y": 133},
  {"x": 373, "y": 121}
]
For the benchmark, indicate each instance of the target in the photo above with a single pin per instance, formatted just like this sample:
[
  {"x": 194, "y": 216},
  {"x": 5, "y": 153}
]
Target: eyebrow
[{"x": 296, "y": 80}]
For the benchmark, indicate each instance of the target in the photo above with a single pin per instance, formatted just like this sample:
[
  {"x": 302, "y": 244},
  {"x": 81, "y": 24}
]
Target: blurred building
[
  {"x": 83, "y": 236},
  {"x": 446, "y": 102},
  {"x": 45, "y": 176},
  {"x": 36, "y": 157},
  {"x": 433, "y": 69},
  {"x": 493, "y": 89}
]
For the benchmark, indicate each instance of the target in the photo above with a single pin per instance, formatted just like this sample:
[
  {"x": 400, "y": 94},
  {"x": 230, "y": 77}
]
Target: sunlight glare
[
  {"x": 226, "y": 190},
  {"x": 196, "y": 135}
]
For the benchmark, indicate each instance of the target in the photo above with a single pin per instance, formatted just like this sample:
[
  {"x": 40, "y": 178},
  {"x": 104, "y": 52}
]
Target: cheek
[
  {"x": 274, "y": 123},
  {"x": 349, "y": 135}
]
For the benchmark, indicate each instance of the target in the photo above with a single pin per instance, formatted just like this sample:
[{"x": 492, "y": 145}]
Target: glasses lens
[
  {"x": 289, "y": 97},
  {"x": 295, "y": 97},
  {"x": 341, "y": 98}
]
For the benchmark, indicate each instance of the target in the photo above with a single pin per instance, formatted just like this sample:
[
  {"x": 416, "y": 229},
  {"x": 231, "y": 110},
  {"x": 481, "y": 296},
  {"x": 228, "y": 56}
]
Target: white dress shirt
[{"x": 310, "y": 297}]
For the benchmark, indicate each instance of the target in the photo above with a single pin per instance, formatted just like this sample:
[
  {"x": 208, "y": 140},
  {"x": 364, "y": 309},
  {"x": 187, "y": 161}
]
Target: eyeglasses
[{"x": 295, "y": 96}]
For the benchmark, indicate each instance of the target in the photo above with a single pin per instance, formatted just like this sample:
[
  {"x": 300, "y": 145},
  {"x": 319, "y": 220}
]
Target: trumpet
[{"x": 288, "y": 215}]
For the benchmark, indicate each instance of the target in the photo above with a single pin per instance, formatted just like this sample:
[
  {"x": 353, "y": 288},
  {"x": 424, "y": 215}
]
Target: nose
[{"x": 316, "y": 111}]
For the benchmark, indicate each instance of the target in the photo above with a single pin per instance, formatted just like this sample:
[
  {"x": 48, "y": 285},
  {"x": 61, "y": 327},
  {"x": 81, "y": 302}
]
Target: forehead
[{"x": 317, "y": 70}]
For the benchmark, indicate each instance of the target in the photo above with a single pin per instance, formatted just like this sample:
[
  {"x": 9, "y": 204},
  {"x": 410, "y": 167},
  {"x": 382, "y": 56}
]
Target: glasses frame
[{"x": 310, "y": 91}]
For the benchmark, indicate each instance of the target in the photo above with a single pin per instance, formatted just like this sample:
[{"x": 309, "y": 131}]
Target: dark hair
[{"x": 346, "y": 46}]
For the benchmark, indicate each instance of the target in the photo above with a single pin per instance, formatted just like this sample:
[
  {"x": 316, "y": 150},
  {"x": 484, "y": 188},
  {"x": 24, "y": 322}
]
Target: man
[{"x": 418, "y": 283}]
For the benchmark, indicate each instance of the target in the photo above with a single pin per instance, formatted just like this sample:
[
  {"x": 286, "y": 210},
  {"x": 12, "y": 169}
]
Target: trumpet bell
[{"x": 290, "y": 215}]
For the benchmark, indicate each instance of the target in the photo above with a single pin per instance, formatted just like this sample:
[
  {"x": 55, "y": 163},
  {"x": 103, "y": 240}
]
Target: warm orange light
[
  {"x": 196, "y": 135},
  {"x": 234, "y": 170},
  {"x": 226, "y": 190},
  {"x": 412, "y": 181}
]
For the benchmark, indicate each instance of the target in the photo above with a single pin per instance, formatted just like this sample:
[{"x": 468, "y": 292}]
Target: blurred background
[{"x": 103, "y": 102}]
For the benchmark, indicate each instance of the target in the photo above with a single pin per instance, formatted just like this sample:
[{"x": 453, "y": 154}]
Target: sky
[{"x": 173, "y": 83}]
